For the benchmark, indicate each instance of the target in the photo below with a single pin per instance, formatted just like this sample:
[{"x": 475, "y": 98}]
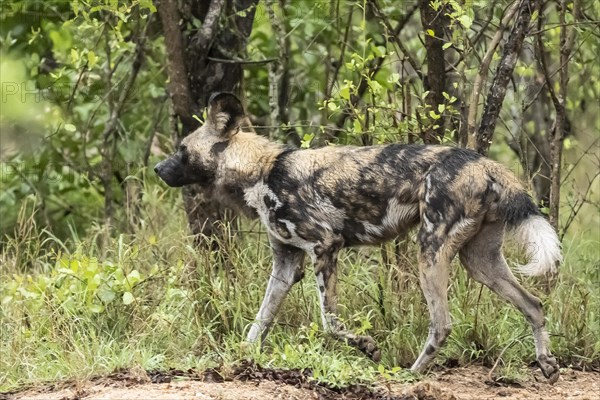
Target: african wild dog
[{"x": 318, "y": 201}]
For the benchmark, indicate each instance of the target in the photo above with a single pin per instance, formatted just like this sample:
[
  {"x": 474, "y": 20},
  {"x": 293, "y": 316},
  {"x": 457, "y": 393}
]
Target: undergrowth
[{"x": 151, "y": 299}]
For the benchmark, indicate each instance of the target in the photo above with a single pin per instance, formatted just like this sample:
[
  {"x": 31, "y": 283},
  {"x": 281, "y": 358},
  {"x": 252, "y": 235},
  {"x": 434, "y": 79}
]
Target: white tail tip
[{"x": 542, "y": 245}]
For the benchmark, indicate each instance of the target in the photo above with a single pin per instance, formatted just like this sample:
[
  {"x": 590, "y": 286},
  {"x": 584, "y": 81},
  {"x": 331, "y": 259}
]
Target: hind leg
[
  {"x": 326, "y": 272},
  {"x": 439, "y": 244},
  {"x": 483, "y": 259}
]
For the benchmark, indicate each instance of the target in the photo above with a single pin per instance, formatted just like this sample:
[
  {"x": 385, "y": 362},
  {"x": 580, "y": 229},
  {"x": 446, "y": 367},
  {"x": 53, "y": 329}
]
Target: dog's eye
[{"x": 184, "y": 153}]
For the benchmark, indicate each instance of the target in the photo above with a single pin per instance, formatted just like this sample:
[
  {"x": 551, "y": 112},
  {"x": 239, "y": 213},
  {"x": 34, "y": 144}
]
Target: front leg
[
  {"x": 326, "y": 271},
  {"x": 288, "y": 268}
]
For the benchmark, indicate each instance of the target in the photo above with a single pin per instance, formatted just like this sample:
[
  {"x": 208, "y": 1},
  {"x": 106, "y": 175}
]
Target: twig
[
  {"x": 583, "y": 154},
  {"x": 512, "y": 342},
  {"x": 239, "y": 61},
  {"x": 340, "y": 61},
  {"x": 575, "y": 208},
  {"x": 394, "y": 33},
  {"x": 378, "y": 62},
  {"x": 153, "y": 134}
]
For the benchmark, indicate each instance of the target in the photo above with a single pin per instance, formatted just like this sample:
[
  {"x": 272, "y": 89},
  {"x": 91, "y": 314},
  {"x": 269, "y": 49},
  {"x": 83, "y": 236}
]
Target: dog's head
[{"x": 197, "y": 158}]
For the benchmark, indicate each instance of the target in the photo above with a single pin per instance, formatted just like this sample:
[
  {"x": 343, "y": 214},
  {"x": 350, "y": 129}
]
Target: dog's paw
[
  {"x": 549, "y": 367},
  {"x": 367, "y": 345}
]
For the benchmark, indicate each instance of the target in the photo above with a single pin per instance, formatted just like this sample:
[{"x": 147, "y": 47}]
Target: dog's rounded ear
[{"x": 225, "y": 113}]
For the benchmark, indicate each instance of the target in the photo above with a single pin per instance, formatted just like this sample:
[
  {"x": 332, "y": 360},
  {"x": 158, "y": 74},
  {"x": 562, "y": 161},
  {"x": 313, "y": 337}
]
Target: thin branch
[
  {"x": 340, "y": 60},
  {"x": 561, "y": 123},
  {"x": 551, "y": 75},
  {"x": 394, "y": 33},
  {"x": 581, "y": 156},
  {"x": 239, "y": 61},
  {"x": 377, "y": 64},
  {"x": 153, "y": 128},
  {"x": 554, "y": 26},
  {"x": 575, "y": 208},
  {"x": 203, "y": 39}
]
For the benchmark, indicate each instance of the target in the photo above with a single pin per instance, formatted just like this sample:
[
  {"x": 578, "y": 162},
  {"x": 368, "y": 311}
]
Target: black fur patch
[
  {"x": 219, "y": 147},
  {"x": 430, "y": 350},
  {"x": 516, "y": 208},
  {"x": 270, "y": 203}
]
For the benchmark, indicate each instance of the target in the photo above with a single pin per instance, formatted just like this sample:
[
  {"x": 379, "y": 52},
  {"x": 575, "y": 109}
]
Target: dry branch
[
  {"x": 483, "y": 73},
  {"x": 561, "y": 124},
  {"x": 481, "y": 143}
]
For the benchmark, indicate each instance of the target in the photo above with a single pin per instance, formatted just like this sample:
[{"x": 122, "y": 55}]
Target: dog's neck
[{"x": 247, "y": 160}]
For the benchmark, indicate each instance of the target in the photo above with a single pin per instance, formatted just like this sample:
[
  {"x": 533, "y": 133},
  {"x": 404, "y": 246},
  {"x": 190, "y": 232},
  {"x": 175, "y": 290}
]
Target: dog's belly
[{"x": 397, "y": 219}]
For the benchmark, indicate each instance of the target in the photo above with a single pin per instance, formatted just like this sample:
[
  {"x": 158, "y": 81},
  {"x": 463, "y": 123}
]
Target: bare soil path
[{"x": 250, "y": 382}]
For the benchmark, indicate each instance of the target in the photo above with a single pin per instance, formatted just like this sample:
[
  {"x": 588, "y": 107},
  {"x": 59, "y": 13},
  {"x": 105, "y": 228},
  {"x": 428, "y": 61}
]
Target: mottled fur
[{"x": 319, "y": 201}]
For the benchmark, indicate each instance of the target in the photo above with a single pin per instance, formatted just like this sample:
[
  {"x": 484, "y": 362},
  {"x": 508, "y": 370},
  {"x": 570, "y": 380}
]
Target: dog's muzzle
[{"x": 171, "y": 171}]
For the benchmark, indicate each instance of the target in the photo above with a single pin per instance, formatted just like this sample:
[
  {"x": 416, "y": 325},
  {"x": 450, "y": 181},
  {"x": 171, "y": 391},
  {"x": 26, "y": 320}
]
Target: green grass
[{"x": 149, "y": 299}]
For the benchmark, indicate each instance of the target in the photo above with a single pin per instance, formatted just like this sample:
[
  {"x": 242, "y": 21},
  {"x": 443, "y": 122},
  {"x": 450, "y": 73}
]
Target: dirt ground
[{"x": 251, "y": 382}]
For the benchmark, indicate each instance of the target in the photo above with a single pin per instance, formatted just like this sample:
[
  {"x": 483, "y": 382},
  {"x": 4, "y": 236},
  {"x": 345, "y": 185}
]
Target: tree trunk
[
  {"x": 435, "y": 81},
  {"x": 201, "y": 62}
]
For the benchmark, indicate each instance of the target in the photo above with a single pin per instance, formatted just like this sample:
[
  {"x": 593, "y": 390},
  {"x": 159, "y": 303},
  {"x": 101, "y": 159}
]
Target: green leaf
[
  {"x": 446, "y": 45},
  {"x": 147, "y": 4},
  {"x": 567, "y": 143},
  {"x": 430, "y": 32},
  {"x": 379, "y": 51},
  {"x": 74, "y": 56},
  {"x": 345, "y": 93},
  {"x": 127, "y": 298},
  {"x": 393, "y": 78},
  {"x": 96, "y": 308},
  {"x": 70, "y": 128},
  {"x": 433, "y": 115},
  {"x": 357, "y": 126},
  {"x": 465, "y": 21},
  {"x": 106, "y": 294},
  {"x": 308, "y": 137},
  {"x": 92, "y": 59},
  {"x": 133, "y": 277},
  {"x": 375, "y": 87}
]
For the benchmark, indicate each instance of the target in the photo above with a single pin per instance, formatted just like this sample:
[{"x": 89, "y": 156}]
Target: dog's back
[{"x": 372, "y": 194}]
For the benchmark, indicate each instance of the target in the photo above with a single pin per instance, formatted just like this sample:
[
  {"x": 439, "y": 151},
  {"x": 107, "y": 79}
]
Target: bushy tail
[
  {"x": 534, "y": 233},
  {"x": 541, "y": 244}
]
